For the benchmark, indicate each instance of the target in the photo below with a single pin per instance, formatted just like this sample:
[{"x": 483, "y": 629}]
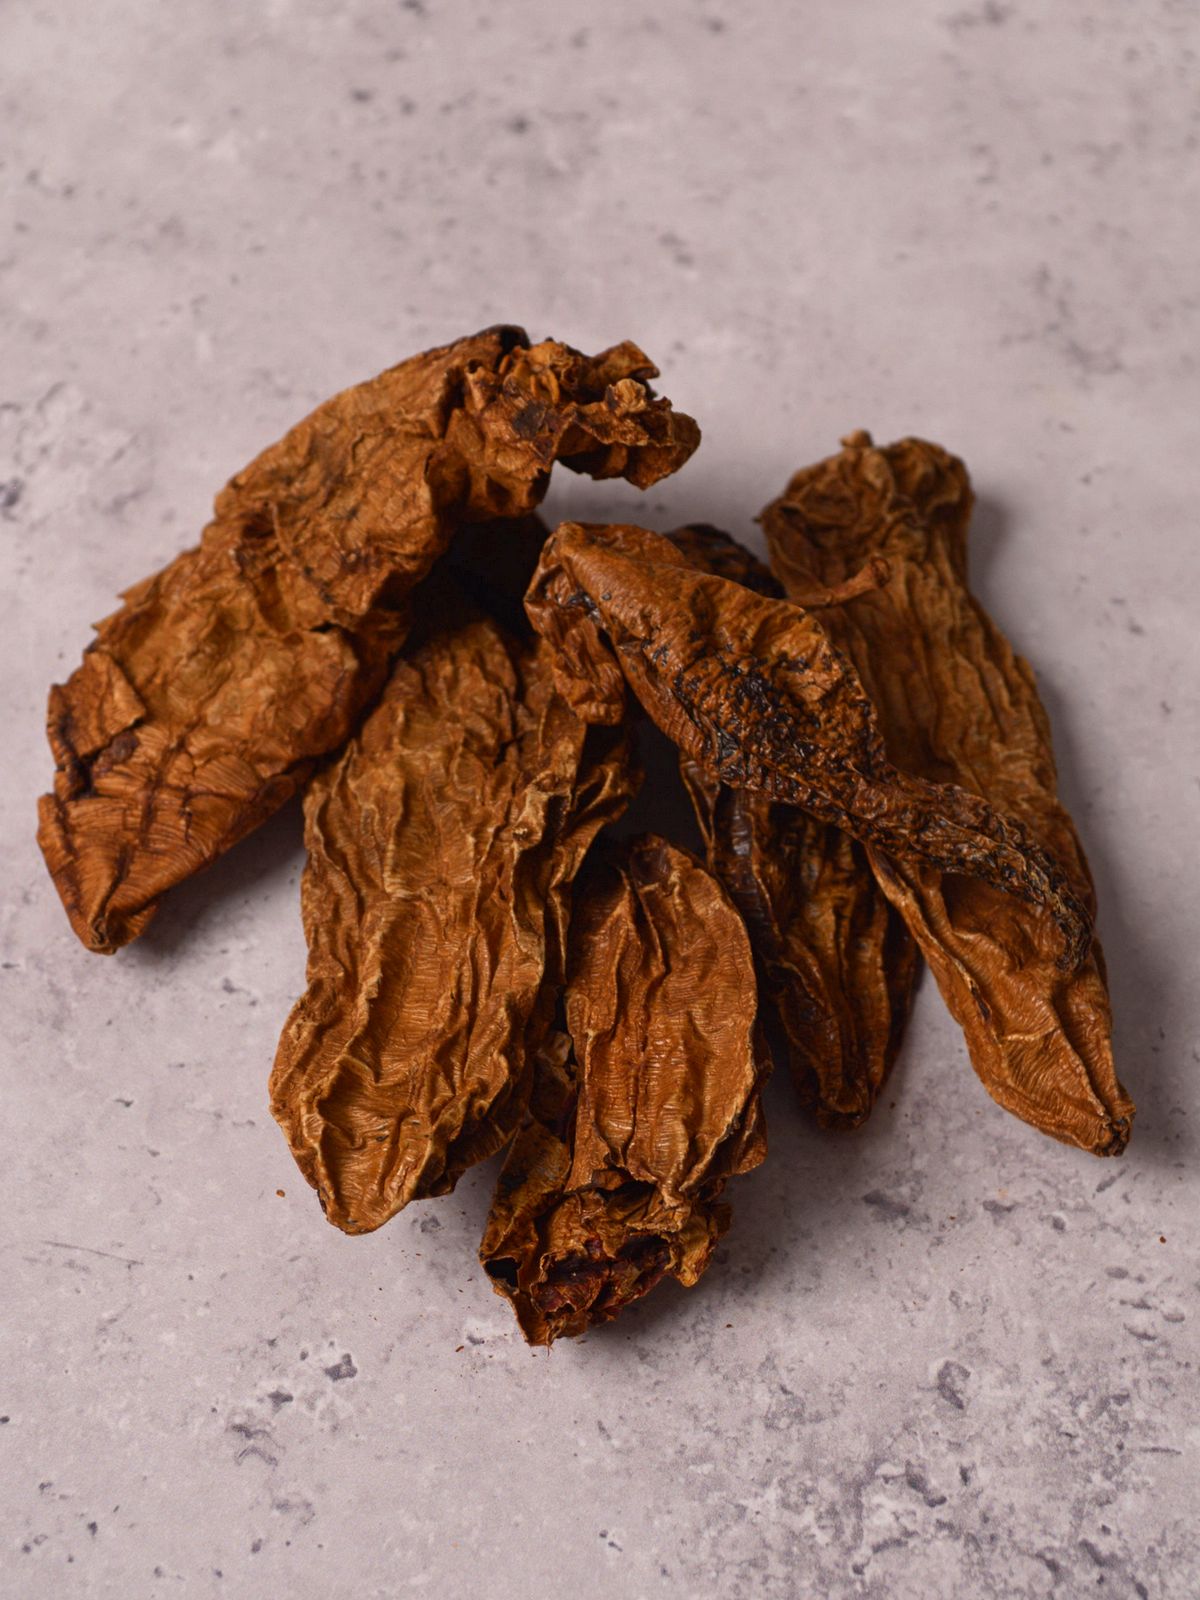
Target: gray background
[{"x": 941, "y": 1357}]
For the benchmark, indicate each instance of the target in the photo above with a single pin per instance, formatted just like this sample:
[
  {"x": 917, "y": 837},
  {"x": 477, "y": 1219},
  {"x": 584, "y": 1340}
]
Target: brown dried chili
[
  {"x": 206, "y": 700},
  {"x": 752, "y": 691},
  {"x": 641, "y": 1115},
  {"x": 441, "y": 847},
  {"x": 835, "y": 960},
  {"x": 957, "y": 705}
]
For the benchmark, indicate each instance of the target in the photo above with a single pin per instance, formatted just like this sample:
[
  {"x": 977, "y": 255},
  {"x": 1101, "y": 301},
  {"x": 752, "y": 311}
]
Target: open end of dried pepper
[{"x": 582, "y": 1290}]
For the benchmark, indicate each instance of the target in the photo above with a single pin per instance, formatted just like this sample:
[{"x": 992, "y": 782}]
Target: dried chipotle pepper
[
  {"x": 957, "y": 705},
  {"x": 640, "y": 1116},
  {"x": 835, "y": 959},
  {"x": 206, "y": 700},
  {"x": 441, "y": 848},
  {"x": 752, "y": 691}
]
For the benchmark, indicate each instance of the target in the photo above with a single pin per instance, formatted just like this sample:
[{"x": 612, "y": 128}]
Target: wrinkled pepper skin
[
  {"x": 208, "y": 698},
  {"x": 441, "y": 849},
  {"x": 643, "y": 1109},
  {"x": 835, "y": 960},
  {"x": 752, "y": 691},
  {"x": 957, "y": 705}
]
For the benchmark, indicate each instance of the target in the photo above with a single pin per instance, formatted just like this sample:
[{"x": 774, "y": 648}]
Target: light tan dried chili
[
  {"x": 835, "y": 960},
  {"x": 957, "y": 705},
  {"x": 441, "y": 848},
  {"x": 206, "y": 700},
  {"x": 752, "y": 691},
  {"x": 643, "y": 1110}
]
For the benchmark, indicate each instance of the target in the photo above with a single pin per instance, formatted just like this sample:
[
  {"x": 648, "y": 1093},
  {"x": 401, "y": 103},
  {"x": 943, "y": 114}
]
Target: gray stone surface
[{"x": 940, "y": 1358}]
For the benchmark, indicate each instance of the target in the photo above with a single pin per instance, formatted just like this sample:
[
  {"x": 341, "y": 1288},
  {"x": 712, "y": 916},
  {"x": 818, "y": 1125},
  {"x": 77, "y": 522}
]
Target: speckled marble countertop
[{"x": 943, "y": 1357}]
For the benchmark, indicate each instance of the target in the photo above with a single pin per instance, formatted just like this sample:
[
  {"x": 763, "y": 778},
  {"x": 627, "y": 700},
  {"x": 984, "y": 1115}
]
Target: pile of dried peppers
[{"x": 490, "y": 968}]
